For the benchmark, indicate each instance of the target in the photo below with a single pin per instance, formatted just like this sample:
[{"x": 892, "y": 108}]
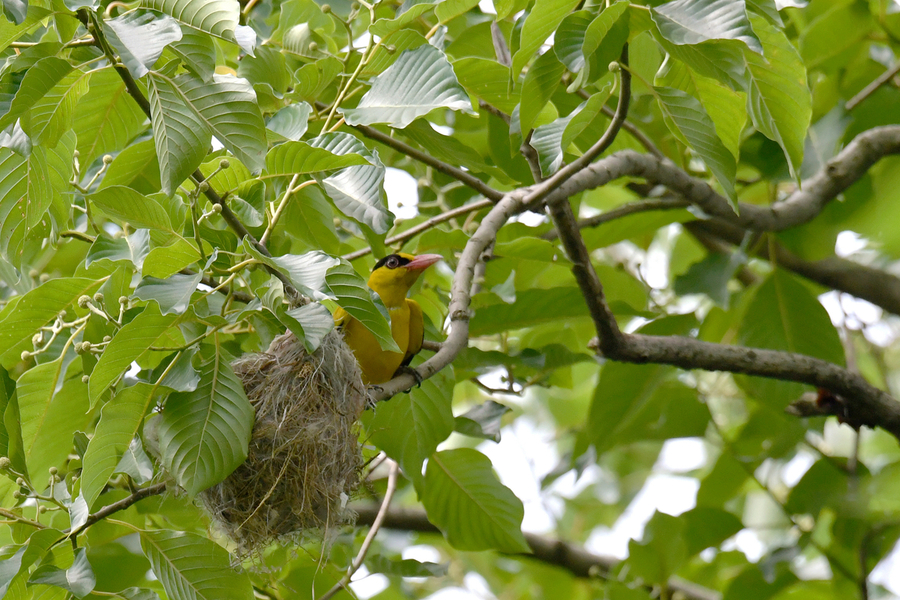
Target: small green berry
[
  {"x": 86, "y": 346},
  {"x": 85, "y": 379},
  {"x": 25, "y": 354},
  {"x": 36, "y": 340},
  {"x": 217, "y": 208},
  {"x": 98, "y": 297},
  {"x": 123, "y": 299},
  {"x": 326, "y": 8},
  {"x": 20, "y": 482},
  {"x": 107, "y": 338},
  {"x": 83, "y": 301},
  {"x": 203, "y": 187},
  {"x": 53, "y": 470},
  {"x": 224, "y": 164},
  {"x": 313, "y": 46},
  {"x": 44, "y": 278},
  {"x": 615, "y": 67},
  {"x": 4, "y": 463},
  {"x": 18, "y": 494},
  {"x": 107, "y": 159},
  {"x": 34, "y": 273}
]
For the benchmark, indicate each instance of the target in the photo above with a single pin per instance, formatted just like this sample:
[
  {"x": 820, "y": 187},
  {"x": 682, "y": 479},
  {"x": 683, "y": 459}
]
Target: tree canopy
[{"x": 660, "y": 221}]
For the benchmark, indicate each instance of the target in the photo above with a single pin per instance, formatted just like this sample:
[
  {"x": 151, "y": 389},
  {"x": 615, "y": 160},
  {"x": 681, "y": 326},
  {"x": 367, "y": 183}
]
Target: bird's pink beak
[{"x": 422, "y": 262}]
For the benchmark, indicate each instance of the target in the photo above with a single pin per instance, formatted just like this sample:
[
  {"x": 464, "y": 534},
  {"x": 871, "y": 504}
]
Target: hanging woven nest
[{"x": 304, "y": 458}]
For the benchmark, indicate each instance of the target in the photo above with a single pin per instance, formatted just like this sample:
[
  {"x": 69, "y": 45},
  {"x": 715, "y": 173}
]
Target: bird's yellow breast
[{"x": 377, "y": 365}]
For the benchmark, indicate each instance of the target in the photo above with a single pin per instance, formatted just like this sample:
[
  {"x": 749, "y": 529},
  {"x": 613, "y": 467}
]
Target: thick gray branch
[{"x": 800, "y": 207}]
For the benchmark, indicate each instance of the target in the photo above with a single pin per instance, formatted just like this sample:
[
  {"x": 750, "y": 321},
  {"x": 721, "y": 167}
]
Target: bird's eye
[{"x": 393, "y": 262}]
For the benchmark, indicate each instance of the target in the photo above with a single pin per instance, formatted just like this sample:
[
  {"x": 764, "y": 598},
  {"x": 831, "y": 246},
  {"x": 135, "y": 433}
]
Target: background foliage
[{"x": 172, "y": 172}]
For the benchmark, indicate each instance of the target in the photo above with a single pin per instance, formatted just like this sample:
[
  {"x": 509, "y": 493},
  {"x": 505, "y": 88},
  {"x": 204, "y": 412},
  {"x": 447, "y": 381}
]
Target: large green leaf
[
  {"x": 39, "y": 79},
  {"x": 418, "y": 82},
  {"x": 541, "y": 81},
  {"x": 725, "y": 107},
  {"x": 218, "y": 17},
  {"x": 842, "y": 27},
  {"x": 172, "y": 294},
  {"x": 204, "y": 434},
  {"x": 187, "y": 112},
  {"x": 778, "y": 97},
  {"x": 106, "y": 118},
  {"x": 25, "y": 196},
  {"x": 53, "y": 113},
  {"x": 463, "y": 497},
  {"x": 292, "y": 158},
  {"x": 690, "y": 22},
  {"x": 410, "y": 426},
  {"x": 78, "y": 579},
  {"x": 785, "y": 315},
  {"x": 306, "y": 271},
  {"x": 119, "y": 421},
  {"x": 140, "y": 37},
  {"x": 603, "y": 40},
  {"x": 130, "y": 343},
  {"x": 198, "y": 52},
  {"x": 488, "y": 80},
  {"x": 569, "y": 39},
  {"x": 687, "y": 119},
  {"x": 358, "y": 191},
  {"x": 131, "y": 207},
  {"x": 543, "y": 20},
  {"x": 552, "y": 140},
  {"x": 191, "y": 567},
  {"x": 37, "y": 308},
  {"x": 51, "y": 410},
  {"x": 354, "y": 296}
]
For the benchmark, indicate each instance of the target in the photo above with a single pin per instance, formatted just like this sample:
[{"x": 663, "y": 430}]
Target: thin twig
[
  {"x": 870, "y": 89},
  {"x": 370, "y": 537},
  {"x": 624, "y": 211},
  {"x": 416, "y": 230},
  {"x": 109, "y": 509}
]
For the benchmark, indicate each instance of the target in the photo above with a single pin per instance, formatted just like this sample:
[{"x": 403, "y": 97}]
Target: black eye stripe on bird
[{"x": 395, "y": 261}]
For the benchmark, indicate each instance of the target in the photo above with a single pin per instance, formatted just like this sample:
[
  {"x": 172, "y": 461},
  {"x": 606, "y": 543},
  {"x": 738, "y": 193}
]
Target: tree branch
[
  {"x": 800, "y": 207},
  {"x": 571, "y": 557},
  {"x": 438, "y": 165},
  {"x": 109, "y": 509},
  {"x": 623, "y": 211},
  {"x": 873, "y": 285}
]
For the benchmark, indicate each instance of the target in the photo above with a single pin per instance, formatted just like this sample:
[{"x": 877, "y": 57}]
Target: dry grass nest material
[{"x": 304, "y": 458}]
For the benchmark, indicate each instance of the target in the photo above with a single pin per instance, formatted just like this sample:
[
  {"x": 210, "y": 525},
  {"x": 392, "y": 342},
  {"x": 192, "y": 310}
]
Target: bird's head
[{"x": 394, "y": 274}]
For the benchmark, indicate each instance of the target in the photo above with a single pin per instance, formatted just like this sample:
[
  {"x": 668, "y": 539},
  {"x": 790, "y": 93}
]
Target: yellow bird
[{"x": 391, "y": 279}]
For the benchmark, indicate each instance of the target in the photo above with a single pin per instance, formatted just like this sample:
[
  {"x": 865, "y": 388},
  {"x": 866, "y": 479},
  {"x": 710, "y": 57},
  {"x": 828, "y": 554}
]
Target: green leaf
[
  {"x": 306, "y": 271},
  {"x": 661, "y": 551},
  {"x": 136, "y": 166},
  {"x": 778, "y": 99},
  {"x": 314, "y": 78},
  {"x": 784, "y": 315},
  {"x": 131, "y": 207},
  {"x": 463, "y": 497},
  {"x": 552, "y": 140},
  {"x": 354, "y": 296},
  {"x": 10, "y": 32},
  {"x": 706, "y": 527},
  {"x": 604, "y": 39},
  {"x": 37, "y": 308},
  {"x": 106, "y": 118},
  {"x": 541, "y": 81},
  {"x": 418, "y": 82},
  {"x": 120, "y": 420},
  {"x": 191, "y": 566},
  {"x": 140, "y": 37},
  {"x": 52, "y": 114},
  {"x": 173, "y": 295},
  {"x": 426, "y": 420},
  {"x": 15, "y": 568},
  {"x": 405, "y": 568},
  {"x": 78, "y": 579},
  {"x": 543, "y": 20},
  {"x": 25, "y": 196},
  {"x": 483, "y": 421},
  {"x": 292, "y": 158},
  {"x": 843, "y": 26},
  {"x": 290, "y": 122},
  {"x": 690, "y": 22},
  {"x": 569, "y": 39},
  {"x": 385, "y": 27},
  {"x": 130, "y": 343},
  {"x": 358, "y": 191},
  {"x": 710, "y": 276},
  {"x": 204, "y": 434},
  {"x": 725, "y": 107},
  {"x": 197, "y": 51},
  {"x": 187, "y": 112},
  {"x": 488, "y": 80},
  {"x": 310, "y": 323},
  {"x": 688, "y": 121},
  {"x": 218, "y": 17},
  {"x": 532, "y": 307},
  {"x": 38, "y": 81},
  {"x": 51, "y": 410}
]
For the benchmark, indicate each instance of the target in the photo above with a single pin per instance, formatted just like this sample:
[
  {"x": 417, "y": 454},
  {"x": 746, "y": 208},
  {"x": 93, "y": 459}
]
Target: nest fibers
[{"x": 304, "y": 459}]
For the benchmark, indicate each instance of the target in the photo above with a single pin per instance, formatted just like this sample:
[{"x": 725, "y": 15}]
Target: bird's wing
[{"x": 416, "y": 331}]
